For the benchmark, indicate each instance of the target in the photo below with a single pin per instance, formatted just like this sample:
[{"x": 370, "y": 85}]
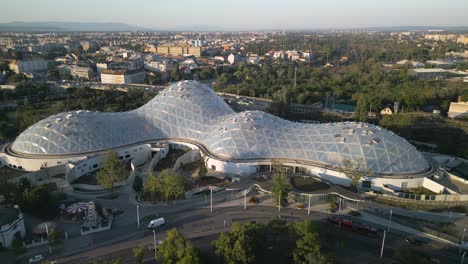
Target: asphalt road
[{"x": 202, "y": 227}]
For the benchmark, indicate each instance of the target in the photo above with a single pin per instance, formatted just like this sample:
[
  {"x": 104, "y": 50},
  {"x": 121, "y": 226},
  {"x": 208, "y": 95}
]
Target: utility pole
[
  {"x": 339, "y": 213},
  {"x": 48, "y": 238},
  {"x": 211, "y": 200},
  {"x": 245, "y": 199},
  {"x": 279, "y": 205},
  {"x": 383, "y": 244},
  {"x": 295, "y": 76},
  {"x": 138, "y": 216},
  {"x": 308, "y": 209},
  {"x": 463, "y": 257},
  {"x": 154, "y": 242}
]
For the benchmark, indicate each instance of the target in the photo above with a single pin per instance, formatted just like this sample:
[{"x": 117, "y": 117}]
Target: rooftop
[{"x": 8, "y": 215}]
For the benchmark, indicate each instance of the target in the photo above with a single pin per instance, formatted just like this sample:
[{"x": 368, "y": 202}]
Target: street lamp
[
  {"x": 48, "y": 238},
  {"x": 154, "y": 241},
  {"x": 138, "y": 216},
  {"x": 245, "y": 199},
  {"x": 279, "y": 205},
  {"x": 211, "y": 200},
  {"x": 383, "y": 244}
]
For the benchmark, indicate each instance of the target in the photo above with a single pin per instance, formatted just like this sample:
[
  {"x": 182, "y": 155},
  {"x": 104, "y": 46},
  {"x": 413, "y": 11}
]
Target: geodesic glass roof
[{"x": 191, "y": 111}]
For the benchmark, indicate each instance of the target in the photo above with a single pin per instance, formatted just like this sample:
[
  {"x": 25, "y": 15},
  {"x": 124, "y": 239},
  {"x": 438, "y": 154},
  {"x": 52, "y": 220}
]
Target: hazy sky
[{"x": 243, "y": 14}]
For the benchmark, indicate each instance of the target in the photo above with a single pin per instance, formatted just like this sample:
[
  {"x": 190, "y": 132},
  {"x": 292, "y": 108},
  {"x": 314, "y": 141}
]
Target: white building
[
  {"x": 458, "y": 109},
  {"x": 82, "y": 73},
  {"x": 123, "y": 76},
  {"x": 11, "y": 225},
  {"x": 233, "y": 58},
  {"x": 29, "y": 66}
]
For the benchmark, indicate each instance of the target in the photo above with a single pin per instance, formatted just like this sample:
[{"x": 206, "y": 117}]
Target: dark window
[
  {"x": 213, "y": 167},
  {"x": 120, "y": 157},
  {"x": 366, "y": 184},
  {"x": 20, "y": 167},
  {"x": 94, "y": 166},
  {"x": 127, "y": 156}
]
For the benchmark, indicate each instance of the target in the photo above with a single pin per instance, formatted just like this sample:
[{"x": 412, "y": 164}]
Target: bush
[
  {"x": 254, "y": 200},
  {"x": 18, "y": 246}
]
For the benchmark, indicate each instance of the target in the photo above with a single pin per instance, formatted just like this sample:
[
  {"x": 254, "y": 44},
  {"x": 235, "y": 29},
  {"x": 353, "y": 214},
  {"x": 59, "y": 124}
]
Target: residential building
[
  {"x": 29, "y": 66},
  {"x": 178, "y": 50},
  {"x": 458, "y": 109},
  {"x": 233, "y": 58},
  {"x": 386, "y": 111},
  {"x": 82, "y": 73},
  {"x": 11, "y": 225},
  {"x": 427, "y": 73},
  {"x": 440, "y": 64},
  {"x": 123, "y": 76},
  {"x": 462, "y": 39},
  {"x": 411, "y": 63}
]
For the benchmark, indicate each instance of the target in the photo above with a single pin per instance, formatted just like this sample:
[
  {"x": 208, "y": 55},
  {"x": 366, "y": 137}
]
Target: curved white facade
[{"x": 190, "y": 111}]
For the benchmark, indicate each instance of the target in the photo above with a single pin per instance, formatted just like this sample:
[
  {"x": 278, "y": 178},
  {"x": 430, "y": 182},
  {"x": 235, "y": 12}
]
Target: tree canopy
[
  {"x": 112, "y": 171},
  {"x": 241, "y": 244},
  {"x": 177, "y": 250}
]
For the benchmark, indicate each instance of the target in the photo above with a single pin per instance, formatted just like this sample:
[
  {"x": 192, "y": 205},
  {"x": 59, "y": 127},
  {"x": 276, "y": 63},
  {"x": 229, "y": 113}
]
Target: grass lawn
[{"x": 308, "y": 184}]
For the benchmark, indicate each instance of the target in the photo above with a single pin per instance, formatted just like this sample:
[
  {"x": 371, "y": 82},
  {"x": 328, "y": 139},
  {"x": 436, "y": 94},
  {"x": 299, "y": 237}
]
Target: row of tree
[{"x": 249, "y": 243}]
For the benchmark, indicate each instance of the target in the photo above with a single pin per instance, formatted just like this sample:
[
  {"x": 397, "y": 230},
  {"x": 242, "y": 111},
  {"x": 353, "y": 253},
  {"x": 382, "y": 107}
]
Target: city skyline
[{"x": 245, "y": 15}]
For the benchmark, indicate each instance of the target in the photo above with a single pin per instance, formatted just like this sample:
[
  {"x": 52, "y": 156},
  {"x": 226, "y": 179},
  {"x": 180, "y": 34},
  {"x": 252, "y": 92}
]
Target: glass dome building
[{"x": 191, "y": 112}]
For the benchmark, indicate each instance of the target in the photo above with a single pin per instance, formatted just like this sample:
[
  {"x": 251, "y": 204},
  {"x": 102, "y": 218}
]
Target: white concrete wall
[
  {"x": 38, "y": 177},
  {"x": 396, "y": 184},
  {"x": 28, "y": 164},
  {"x": 8, "y": 231},
  {"x": 188, "y": 157},
  {"x": 138, "y": 154},
  {"x": 161, "y": 153},
  {"x": 456, "y": 178},
  {"x": 231, "y": 167},
  {"x": 435, "y": 187}
]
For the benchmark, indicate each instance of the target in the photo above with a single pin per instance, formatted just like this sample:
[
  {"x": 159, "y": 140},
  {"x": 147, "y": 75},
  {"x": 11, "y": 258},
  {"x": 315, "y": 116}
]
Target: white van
[{"x": 156, "y": 222}]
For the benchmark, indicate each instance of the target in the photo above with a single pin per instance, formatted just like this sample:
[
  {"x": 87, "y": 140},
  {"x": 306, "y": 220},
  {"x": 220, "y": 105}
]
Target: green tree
[
  {"x": 355, "y": 170},
  {"x": 207, "y": 73},
  {"x": 202, "y": 170},
  {"x": 307, "y": 250},
  {"x": 137, "y": 184},
  {"x": 18, "y": 246},
  {"x": 111, "y": 171},
  {"x": 177, "y": 250},
  {"x": 241, "y": 244},
  {"x": 175, "y": 73},
  {"x": 172, "y": 184},
  {"x": 138, "y": 254},
  {"x": 152, "y": 185},
  {"x": 360, "y": 113},
  {"x": 55, "y": 236},
  {"x": 281, "y": 187}
]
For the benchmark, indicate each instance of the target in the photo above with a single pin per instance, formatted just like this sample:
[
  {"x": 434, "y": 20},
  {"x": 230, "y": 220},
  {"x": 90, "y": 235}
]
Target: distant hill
[{"x": 67, "y": 26}]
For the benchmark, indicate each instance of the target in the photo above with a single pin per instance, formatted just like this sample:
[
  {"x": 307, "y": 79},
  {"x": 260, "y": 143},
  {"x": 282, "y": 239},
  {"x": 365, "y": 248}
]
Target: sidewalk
[{"x": 384, "y": 222}]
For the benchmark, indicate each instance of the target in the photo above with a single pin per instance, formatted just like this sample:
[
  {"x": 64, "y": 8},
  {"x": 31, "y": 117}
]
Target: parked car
[
  {"x": 156, "y": 222},
  {"x": 36, "y": 259},
  {"x": 413, "y": 241}
]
